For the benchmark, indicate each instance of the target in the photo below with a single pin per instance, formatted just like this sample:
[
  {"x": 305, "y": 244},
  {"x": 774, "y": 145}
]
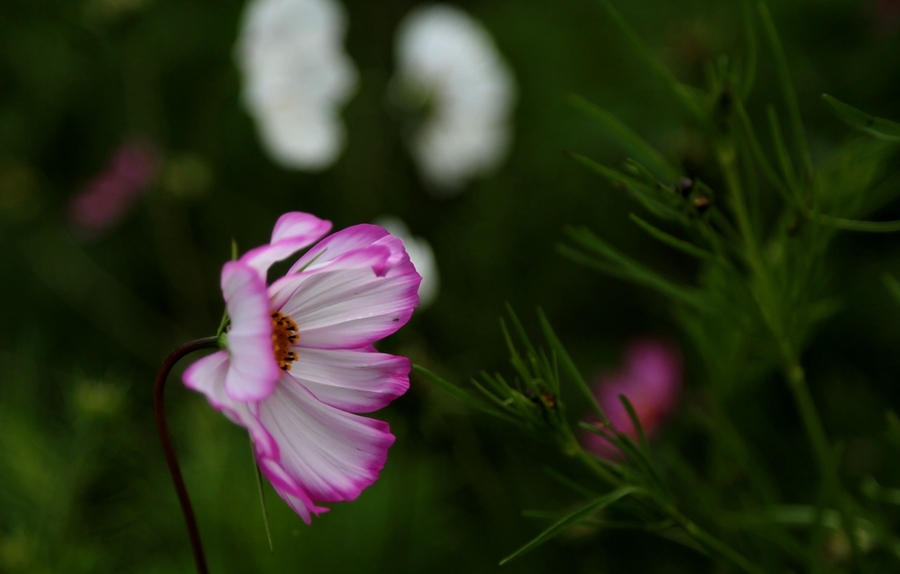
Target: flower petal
[
  {"x": 293, "y": 231},
  {"x": 327, "y": 454},
  {"x": 344, "y": 241},
  {"x": 252, "y": 371},
  {"x": 420, "y": 253},
  {"x": 208, "y": 377},
  {"x": 352, "y": 301},
  {"x": 353, "y": 380}
]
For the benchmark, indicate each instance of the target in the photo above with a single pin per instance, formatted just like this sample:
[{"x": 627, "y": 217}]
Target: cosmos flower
[
  {"x": 466, "y": 89},
  {"x": 296, "y": 78},
  {"x": 104, "y": 200},
  {"x": 299, "y": 363},
  {"x": 420, "y": 253},
  {"x": 651, "y": 379}
]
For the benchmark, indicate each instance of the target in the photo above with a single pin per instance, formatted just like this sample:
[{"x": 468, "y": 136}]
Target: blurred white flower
[
  {"x": 449, "y": 62},
  {"x": 421, "y": 255},
  {"x": 296, "y": 78}
]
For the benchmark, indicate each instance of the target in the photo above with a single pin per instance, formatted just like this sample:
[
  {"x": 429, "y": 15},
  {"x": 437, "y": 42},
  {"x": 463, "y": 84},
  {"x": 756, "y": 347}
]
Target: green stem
[{"x": 796, "y": 379}]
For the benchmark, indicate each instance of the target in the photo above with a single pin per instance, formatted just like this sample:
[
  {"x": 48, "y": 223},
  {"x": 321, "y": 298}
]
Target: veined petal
[
  {"x": 208, "y": 377},
  {"x": 344, "y": 241},
  {"x": 288, "y": 488},
  {"x": 347, "y": 304},
  {"x": 252, "y": 371},
  {"x": 353, "y": 380},
  {"x": 328, "y": 454},
  {"x": 293, "y": 231},
  {"x": 373, "y": 257}
]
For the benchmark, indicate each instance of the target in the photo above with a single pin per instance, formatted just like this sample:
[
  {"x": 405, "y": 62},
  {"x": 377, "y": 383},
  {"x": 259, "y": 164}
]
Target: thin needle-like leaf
[
  {"x": 784, "y": 157},
  {"x": 688, "y": 96},
  {"x": 752, "y": 53},
  {"x": 628, "y": 139},
  {"x": 671, "y": 241},
  {"x": 858, "y": 119},
  {"x": 568, "y": 365},
  {"x": 635, "y": 421},
  {"x": 856, "y": 225},
  {"x": 790, "y": 96},
  {"x": 756, "y": 149},
  {"x": 461, "y": 394},
  {"x": 573, "y": 518},
  {"x": 262, "y": 499}
]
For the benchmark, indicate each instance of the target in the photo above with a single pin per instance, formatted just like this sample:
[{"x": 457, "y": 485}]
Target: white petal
[
  {"x": 420, "y": 254},
  {"x": 207, "y": 376},
  {"x": 347, "y": 303},
  {"x": 353, "y": 380},
  {"x": 332, "y": 455},
  {"x": 252, "y": 371},
  {"x": 293, "y": 231}
]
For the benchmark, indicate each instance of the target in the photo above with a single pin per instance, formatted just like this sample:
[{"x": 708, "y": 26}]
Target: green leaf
[
  {"x": 633, "y": 143},
  {"x": 671, "y": 241},
  {"x": 858, "y": 119},
  {"x": 572, "y": 519},
  {"x": 461, "y": 394}
]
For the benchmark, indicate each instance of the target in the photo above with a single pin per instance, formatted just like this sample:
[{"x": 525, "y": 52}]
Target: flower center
[{"x": 284, "y": 334}]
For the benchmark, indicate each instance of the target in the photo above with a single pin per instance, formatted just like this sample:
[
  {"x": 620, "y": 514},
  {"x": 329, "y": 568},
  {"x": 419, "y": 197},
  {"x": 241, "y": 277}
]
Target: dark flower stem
[{"x": 166, "y": 439}]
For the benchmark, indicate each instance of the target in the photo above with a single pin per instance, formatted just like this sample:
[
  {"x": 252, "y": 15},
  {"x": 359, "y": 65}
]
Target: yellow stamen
[{"x": 284, "y": 335}]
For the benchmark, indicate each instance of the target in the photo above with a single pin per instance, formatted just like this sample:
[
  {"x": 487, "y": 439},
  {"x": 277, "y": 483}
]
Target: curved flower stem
[{"x": 166, "y": 439}]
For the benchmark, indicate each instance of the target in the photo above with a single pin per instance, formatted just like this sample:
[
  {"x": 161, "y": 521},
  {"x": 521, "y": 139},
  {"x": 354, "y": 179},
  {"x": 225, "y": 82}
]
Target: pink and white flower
[
  {"x": 299, "y": 364},
  {"x": 651, "y": 380}
]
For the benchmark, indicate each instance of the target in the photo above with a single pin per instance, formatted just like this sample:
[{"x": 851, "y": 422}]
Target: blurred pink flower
[
  {"x": 299, "y": 362},
  {"x": 651, "y": 379},
  {"x": 104, "y": 200}
]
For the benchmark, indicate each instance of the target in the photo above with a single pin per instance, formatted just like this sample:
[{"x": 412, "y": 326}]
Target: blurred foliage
[{"x": 86, "y": 321}]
